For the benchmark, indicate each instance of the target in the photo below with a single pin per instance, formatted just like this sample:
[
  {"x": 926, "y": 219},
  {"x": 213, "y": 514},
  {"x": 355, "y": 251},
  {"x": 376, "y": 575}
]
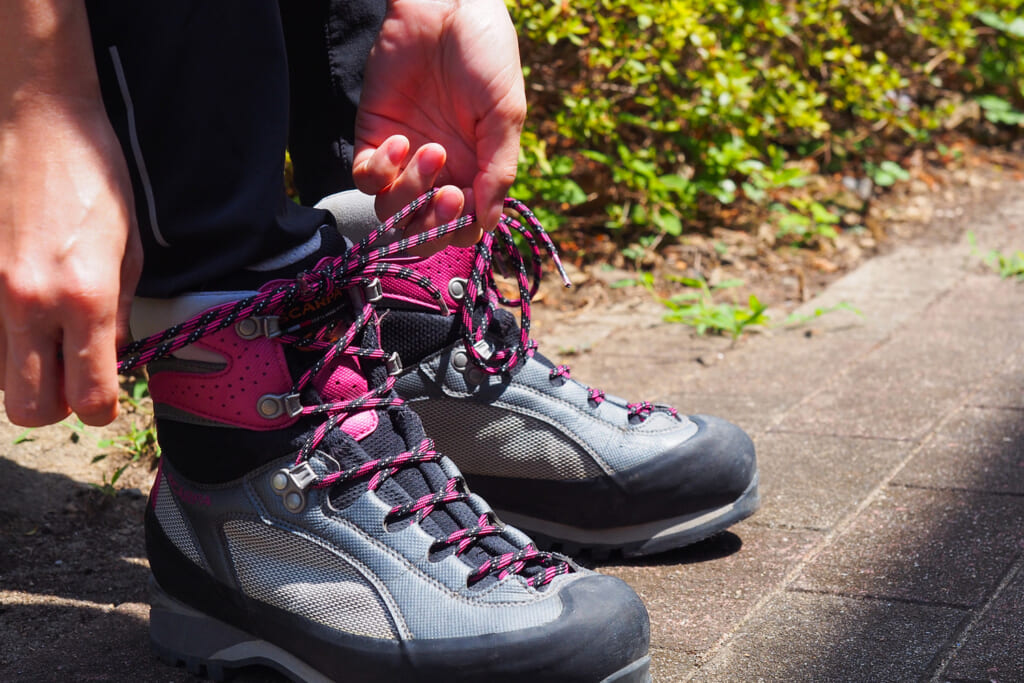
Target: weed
[
  {"x": 642, "y": 279},
  {"x": 24, "y": 436},
  {"x": 135, "y": 389},
  {"x": 798, "y": 319},
  {"x": 107, "y": 488},
  {"x": 698, "y": 309},
  {"x": 1007, "y": 265},
  {"x": 998, "y": 110},
  {"x": 886, "y": 174},
  {"x": 804, "y": 220},
  {"x": 139, "y": 442}
]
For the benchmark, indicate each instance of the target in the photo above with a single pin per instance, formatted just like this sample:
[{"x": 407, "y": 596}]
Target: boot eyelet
[
  {"x": 291, "y": 484},
  {"x": 457, "y": 288},
  {"x": 273, "y": 406}
]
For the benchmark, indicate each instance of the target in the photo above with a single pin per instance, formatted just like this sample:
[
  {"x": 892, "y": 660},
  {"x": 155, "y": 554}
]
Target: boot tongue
[
  {"x": 398, "y": 431},
  {"x": 372, "y": 434},
  {"x": 345, "y": 381}
]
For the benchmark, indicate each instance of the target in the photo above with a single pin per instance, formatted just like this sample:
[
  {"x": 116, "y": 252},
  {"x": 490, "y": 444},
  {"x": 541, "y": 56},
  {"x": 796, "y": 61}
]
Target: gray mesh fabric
[
  {"x": 289, "y": 572},
  {"x": 495, "y": 442},
  {"x": 175, "y": 525}
]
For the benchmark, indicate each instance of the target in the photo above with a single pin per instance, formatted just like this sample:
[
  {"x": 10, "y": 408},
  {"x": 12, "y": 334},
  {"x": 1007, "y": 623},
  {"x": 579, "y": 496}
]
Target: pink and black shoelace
[
  {"x": 483, "y": 296},
  {"x": 357, "y": 269}
]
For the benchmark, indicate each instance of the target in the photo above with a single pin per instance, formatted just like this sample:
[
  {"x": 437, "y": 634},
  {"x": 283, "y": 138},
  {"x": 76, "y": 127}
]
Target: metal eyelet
[
  {"x": 373, "y": 290},
  {"x": 394, "y": 364},
  {"x": 273, "y": 406},
  {"x": 291, "y": 484},
  {"x": 457, "y": 288},
  {"x": 258, "y": 326},
  {"x": 461, "y": 359}
]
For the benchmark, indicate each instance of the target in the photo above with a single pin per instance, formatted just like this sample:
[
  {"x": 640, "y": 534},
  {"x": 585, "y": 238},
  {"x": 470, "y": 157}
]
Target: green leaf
[
  {"x": 24, "y": 436},
  {"x": 998, "y": 110},
  {"x": 1014, "y": 28},
  {"x": 668, "y": 222}
]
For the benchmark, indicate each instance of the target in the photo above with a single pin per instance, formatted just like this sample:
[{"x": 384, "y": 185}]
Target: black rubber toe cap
[
  {"x": 602, "y": 630},
  {"x": 713, "y": 467}
]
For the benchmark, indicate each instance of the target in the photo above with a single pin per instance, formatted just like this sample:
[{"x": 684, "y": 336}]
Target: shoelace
[
  {"x": 483, "y": 296},
  {"x": 359, "y": 268}
]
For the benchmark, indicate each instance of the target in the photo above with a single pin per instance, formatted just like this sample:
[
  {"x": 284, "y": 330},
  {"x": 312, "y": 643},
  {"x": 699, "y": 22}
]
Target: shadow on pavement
[{"x": 927, "y": 583}]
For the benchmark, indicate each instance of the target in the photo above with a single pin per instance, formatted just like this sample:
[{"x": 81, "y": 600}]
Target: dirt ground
[{"x": 72, "y": 559}]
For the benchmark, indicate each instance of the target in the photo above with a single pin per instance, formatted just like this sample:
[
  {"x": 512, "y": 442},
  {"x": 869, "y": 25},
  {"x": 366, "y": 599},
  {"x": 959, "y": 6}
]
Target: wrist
[{"x": 46, "y": 50}]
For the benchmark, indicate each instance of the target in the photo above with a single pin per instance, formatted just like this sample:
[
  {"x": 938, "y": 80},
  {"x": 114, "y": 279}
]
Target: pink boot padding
[
  {"x": 345, "y": 382},
  {"x": 254, "y": 368},
  {"x": 451, "y": 262}
]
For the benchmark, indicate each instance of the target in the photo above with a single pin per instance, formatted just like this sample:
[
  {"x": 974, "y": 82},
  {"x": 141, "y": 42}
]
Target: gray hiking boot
[
  {"x": 574, "y": 467},
  {"x": 302, "y": 520}
]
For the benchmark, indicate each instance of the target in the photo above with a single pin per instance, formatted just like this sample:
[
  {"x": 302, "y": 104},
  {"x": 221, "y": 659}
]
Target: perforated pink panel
[
  {"x": 254, "y": 368},
  {"x": 440, "y": 268}
]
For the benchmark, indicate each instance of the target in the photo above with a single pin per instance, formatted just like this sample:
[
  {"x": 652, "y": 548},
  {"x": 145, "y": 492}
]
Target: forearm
[
  {"x": 68, "y": 261},
  {"x": 46, "y": 53}
]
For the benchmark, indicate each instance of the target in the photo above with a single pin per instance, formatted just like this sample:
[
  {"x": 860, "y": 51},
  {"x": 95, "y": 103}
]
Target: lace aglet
[
  {"x": 561, "y": 271},
  {"x": 565, "y": 277}
]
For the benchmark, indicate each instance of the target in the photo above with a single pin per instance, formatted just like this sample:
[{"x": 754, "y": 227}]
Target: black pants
[{"x": 204, "y": 96}]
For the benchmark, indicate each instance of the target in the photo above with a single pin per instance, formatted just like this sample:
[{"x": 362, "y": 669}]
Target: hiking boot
[
  {"x": 301, "y": 519},
  {"x": 576, "y": 468}
]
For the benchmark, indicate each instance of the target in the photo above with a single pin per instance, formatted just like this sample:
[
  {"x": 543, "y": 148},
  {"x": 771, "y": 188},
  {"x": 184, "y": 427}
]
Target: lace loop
[{"x": 477, "y": 308}]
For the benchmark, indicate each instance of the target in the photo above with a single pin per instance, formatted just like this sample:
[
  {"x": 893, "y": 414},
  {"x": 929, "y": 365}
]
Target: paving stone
[
  {"x": 890, "y": 290},
  {"x": 755, "y": 412},
  {"x": 625, "y": 367},
  {"x": 788, "y": 363},
  {"x": 904, "y": 386},
  {"x": 945, "y": 547},
  {"x": 668, "y": 666},
  {"x": 696, "y": 594},
  {"x": 994, "y": 648},
  {"x": 810, "y": 637},
  {"x": 980, "y": 449},
  {"x": 1005, "y": 389},
  {"x": 812, "y": 481}
]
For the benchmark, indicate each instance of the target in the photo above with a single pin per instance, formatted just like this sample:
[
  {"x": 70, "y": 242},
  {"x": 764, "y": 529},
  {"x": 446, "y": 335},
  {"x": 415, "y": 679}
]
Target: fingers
[
  {"x": 90, "y": 358},
  {"x": 32, "y": 397},
  {"x": 58, "y": 343},
  {"x": 373, "y": 170},
  {"x": 397, "y": 179},
  {"x": 411, "y": 180},
  {"x": 471, "y": 234},
  {"x": 446, "y": 206}
]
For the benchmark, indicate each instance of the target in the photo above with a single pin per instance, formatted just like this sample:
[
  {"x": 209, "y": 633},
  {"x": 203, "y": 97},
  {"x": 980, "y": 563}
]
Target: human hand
[
  {"x": 443, "y": 79},
  {"x": 69, "y": 263}
]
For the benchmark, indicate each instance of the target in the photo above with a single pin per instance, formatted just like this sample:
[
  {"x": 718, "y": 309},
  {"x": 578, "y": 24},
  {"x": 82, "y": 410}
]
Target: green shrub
[{"x": 651, "y": 110}]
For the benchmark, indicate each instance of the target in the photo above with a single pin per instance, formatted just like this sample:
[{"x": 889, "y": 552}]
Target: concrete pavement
[{"x": 890, "y": 545}]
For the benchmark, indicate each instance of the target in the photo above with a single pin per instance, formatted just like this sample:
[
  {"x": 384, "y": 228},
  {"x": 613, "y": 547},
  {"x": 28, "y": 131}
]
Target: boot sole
[
  {"x": 639, "y": 539},
  {"x": 207, "y": 647}
]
